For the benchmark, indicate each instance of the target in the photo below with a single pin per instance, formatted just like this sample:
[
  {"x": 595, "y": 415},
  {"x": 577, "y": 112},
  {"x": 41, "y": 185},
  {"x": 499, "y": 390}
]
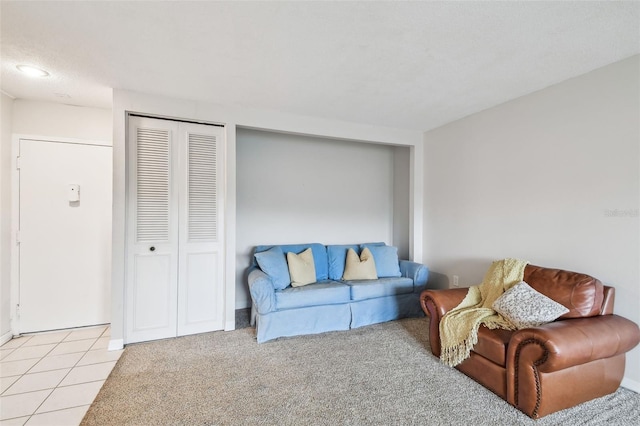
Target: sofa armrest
[
  {"x": 567, "y": 343},
  {"x": 261, "y": 290},
  {"x": 416, "y": 271},
  {"x": 436, "y": 303}
]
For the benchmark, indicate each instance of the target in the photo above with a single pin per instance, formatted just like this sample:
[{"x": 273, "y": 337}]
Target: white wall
[
  {"x": 36, "y": 118},
  {"x": 59, "y": 120},
  {"x": 232, "y": 116},
  {"x": 538, "y": 178},
  {"x": 6, "y": 117},
  {"x": 301, "y": 189}
]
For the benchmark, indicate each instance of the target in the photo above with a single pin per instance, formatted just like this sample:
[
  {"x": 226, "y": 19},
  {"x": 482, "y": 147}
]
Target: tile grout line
[
  {"x": 58, "y": 368},
  {"x": 39, "y": 359},
  {"x": 10, "y": 352},
  {"x": 45, "y": 355},
  {"x": 60, "y": 409},
  {"x": 23, "y": 374},
  {"x": 64, "y": 368},
  {"x": 81, "y": 383},
  {"x": 53, "y": 389},
  {"x": 13, "y": 349},
  {"x": 54, "y": 411},
  {"x": 65, "y": 376},
  {"x": 30, "y": 415}
]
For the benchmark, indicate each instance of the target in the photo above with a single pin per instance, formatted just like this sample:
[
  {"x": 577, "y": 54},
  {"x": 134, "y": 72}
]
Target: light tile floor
[{"x": 52, "y": 378}]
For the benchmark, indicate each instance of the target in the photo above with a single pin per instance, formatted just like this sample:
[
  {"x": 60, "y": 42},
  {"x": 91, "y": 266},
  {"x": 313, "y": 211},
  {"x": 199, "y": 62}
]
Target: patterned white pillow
[{"x": 524, "y": 307}]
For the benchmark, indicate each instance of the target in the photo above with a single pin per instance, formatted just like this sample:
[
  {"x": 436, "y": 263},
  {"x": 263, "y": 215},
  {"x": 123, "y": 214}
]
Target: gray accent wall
[{"x": 302, "y": 189}]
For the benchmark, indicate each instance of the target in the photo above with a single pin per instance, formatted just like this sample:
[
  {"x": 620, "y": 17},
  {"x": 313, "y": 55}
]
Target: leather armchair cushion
[
  {"x": 580, "y": 293},
  {"x": 492, "y": 344}
]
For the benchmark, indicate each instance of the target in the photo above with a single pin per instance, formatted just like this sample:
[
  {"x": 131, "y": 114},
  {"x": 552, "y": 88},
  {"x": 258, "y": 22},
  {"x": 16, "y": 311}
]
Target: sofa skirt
[
  {"x": 383, "y": 309},
  {"x": 308, "y": 320},
  {"x": 339, "y": 317}
]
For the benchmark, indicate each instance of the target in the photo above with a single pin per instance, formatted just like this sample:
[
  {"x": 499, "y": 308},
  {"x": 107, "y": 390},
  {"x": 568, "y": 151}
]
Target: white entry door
[
  {"x": 174, "y": 229},
  {"x": 64, "y": 245}
]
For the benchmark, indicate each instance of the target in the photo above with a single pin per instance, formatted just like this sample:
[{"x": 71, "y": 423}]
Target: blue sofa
[{"x": 331, "y": 304}]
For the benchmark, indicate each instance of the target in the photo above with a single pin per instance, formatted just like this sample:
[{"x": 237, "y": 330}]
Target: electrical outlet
[{"x": 456, "y": 283}]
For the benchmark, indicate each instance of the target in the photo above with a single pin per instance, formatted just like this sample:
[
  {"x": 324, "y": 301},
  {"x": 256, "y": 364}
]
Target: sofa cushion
[
  {"x": 301, "y": 268},
  {"x": 361, "y": 267},
  {"x": 580, "y": 293},
  {"x": 337, "y": 255},
  {"x": 492, "y": 344},
  {"x": 319, "y": 256},
  {"x": 368, "y": 289},
  {"x": 273, "y": 263},
  {"x": 524, "y": 307},
  {"x": 386, "y": 258},
  {"x": 320, "y": 293},
  {"x": 363, "y": 245}
]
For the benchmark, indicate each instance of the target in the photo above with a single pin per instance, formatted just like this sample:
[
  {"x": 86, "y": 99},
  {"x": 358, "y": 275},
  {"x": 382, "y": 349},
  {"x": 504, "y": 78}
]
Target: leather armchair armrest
[
  {"x": 262, "y": 291},
  {"x": 563, "y": 363},
  {"x": 436, "y": 303},
  {"x": 416, "y": 271},
  {"x": 571, "y": 342}
]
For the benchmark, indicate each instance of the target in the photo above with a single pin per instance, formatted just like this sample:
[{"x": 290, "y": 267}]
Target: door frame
[{"x": 15, "y": 214}]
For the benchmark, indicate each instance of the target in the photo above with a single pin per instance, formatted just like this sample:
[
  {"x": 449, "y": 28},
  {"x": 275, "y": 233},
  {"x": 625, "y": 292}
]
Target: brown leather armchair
[{"x": 541, "y": 370}]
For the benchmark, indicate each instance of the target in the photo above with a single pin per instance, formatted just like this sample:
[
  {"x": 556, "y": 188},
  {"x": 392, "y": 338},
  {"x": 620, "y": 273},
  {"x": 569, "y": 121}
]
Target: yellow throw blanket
[{"x": 459, "y": 327}]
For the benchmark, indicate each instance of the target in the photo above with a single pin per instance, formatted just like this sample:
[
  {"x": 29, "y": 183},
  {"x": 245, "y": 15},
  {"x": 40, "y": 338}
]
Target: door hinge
[
  {"x": 17, "y": 237},
  {"x": 17, "y": 311},
  {"x": 18, "y": 163}
]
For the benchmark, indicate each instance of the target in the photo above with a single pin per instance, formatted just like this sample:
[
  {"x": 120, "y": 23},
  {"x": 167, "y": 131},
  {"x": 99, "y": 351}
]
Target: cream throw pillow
[
  {"x": 301, "y": 268},
  {"x": 360, "y": 268}
]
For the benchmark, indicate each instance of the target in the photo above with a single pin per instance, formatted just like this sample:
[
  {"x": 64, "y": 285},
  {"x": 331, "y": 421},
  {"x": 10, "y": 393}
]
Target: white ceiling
[{"x": 412, "y": 65}]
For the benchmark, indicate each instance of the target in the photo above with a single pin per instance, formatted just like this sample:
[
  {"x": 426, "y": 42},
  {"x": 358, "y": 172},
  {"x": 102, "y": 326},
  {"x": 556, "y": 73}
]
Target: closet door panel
[
  {"x": 200, "y": 296},
  {"x": 201, "y": 289},
  {"x": 152, "y": 235},
  {"x": 152, "y": 293}
]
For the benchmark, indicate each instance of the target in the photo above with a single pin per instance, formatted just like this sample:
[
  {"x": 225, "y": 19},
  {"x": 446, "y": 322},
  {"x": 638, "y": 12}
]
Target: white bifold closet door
[{"x": 174, "y": 283}]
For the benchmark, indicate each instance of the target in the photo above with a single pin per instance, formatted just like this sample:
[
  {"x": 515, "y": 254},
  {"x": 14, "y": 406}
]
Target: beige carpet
[{"x": 377, "y": 375}]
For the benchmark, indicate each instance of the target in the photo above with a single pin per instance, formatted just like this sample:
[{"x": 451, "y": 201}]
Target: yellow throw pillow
[
  {"x": 360, "y": 268},
  {"x": 301, "y": 268}
]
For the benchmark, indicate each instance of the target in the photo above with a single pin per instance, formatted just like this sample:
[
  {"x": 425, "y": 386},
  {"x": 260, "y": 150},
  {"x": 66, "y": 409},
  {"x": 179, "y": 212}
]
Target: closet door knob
[{"x": 152, "y": 248}]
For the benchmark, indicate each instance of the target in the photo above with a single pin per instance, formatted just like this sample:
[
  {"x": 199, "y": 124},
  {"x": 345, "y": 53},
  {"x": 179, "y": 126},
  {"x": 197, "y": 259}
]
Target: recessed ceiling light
[{"x": 32, "y": 71}]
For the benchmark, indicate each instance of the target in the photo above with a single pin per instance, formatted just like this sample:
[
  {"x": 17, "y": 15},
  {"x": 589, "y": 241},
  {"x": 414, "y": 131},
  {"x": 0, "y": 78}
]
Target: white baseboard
[
  {"x": 115, "y": 344},
  {"x": 6, "y": 337},
  {"x": 630, "y": 384}
]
